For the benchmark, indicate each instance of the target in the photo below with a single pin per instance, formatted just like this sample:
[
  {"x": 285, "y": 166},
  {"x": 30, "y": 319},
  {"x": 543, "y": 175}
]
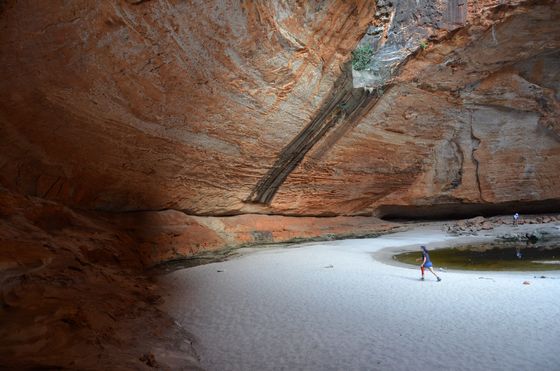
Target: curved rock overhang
[{"x": 224, "y": 108}]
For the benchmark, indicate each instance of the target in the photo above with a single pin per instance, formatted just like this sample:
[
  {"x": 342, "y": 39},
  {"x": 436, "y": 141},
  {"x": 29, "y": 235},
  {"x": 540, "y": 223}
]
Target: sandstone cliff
[{"x": 220, "y": 108}]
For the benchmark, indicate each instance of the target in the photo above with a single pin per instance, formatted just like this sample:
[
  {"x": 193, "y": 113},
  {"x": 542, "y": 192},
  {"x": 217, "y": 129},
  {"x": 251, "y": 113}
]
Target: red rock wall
[
  {"x": 161, "y": 104},
  {"x": 187, "y": 105},
  {"x": 73, "y": 295},
  {"x": 470, "y": 120},
  {"x": 170, "y": 235}
]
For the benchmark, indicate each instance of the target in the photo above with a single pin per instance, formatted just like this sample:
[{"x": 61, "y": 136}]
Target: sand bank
[{"x": 337, "y": 306}]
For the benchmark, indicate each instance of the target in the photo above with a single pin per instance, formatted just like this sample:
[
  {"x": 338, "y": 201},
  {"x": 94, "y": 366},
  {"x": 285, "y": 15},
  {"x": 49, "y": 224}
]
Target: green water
[{"x": 491, "y": 257}]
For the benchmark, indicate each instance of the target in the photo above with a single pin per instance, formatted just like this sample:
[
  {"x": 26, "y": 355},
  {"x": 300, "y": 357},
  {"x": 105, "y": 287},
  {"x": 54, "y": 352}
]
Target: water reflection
[{"x": 507, "y": 256}]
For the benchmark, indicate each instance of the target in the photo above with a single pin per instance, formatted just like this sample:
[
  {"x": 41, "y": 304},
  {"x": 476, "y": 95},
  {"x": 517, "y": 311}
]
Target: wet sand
[{"x": 338, "y": 305}]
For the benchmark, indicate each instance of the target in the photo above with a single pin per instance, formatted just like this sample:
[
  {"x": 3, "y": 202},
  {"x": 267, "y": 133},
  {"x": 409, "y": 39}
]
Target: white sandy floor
[{"x": 282, "y": 309}]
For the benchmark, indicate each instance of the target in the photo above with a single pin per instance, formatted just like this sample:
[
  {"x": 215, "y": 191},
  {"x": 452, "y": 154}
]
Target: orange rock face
[
  {"x": 169, "y": 235},
  {"x": 73, "y": 295},
  {"x": 173, "y": 105},
  {"x": 162, "y": 105},
  {"x": 469, "y": 121}
]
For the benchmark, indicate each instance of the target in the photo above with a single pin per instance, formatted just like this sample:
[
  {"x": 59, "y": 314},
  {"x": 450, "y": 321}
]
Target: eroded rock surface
[
  {"x": 454, "y": 127},
  {"x": 170, "y": 235},
  {"x": 191, "y": 106},
  {"x": 73, "y": 295},
  {"x": 162, "y": 104}
]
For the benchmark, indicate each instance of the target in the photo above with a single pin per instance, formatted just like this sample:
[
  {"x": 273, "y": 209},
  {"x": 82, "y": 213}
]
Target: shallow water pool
[{"x": 491, "y": 257}]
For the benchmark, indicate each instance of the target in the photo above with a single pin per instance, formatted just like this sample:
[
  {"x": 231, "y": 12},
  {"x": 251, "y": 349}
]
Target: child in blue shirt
[{"x": 426, "y": 263}]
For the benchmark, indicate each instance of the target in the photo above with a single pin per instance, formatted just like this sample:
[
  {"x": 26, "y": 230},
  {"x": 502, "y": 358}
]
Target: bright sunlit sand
[{"x": 336, "y": 306}]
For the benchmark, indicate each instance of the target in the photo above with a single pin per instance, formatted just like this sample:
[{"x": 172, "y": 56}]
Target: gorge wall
[
  {"x": 135, "y": 132},
  {"x": 154, "y": 105}
]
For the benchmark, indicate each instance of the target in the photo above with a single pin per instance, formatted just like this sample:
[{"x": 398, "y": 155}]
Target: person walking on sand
[
  {"x": 426, "y": 263},
  {"x": 515, "y": 219}
]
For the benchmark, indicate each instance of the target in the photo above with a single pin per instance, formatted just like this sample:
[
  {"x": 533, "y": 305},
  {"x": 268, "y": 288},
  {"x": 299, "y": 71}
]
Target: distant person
[
  {"x": 515, "y": 219},
  {"x": 426, "y": 263}
]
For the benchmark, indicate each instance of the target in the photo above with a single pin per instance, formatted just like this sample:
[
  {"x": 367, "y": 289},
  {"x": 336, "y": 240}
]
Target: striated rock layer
[
  {"x": 222, "y": 107},
  {"x": 155, "y": 105},
  {"x": 170, "y": 235},
  {"x": 468, "y": 121}
]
